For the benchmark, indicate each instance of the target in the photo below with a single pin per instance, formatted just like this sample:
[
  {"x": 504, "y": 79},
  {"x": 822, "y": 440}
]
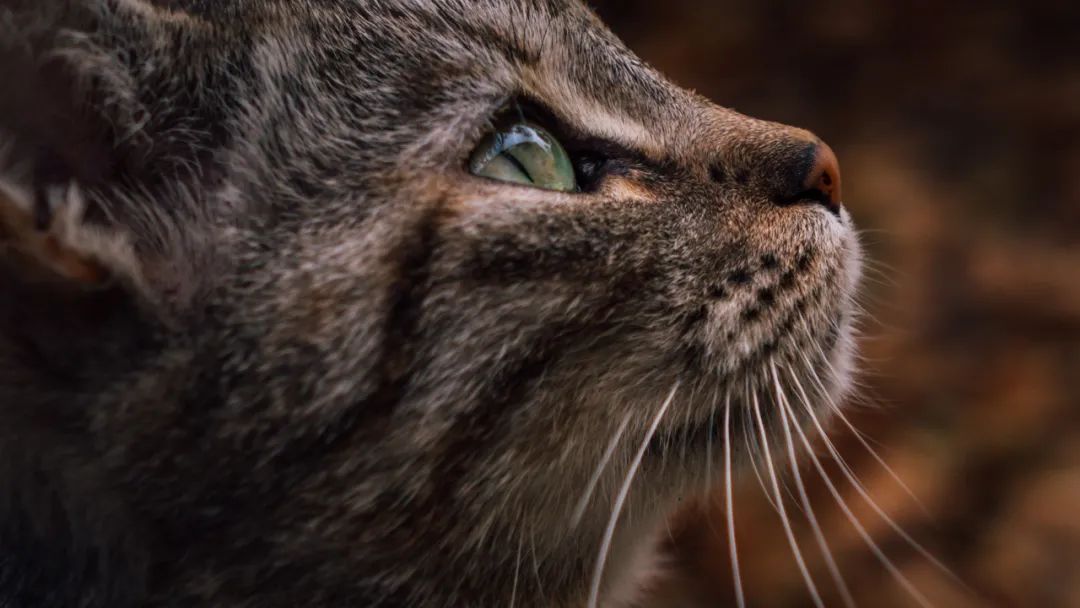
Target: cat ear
[
  {"x": 73, "y": 152},
  {"x": 56, "y": 140}
]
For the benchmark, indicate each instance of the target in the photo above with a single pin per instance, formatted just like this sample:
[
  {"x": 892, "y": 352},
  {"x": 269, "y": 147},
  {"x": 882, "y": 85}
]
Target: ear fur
[
  {"x": 92, "y": 173},
  {"x": 83, "y": 269},
  {"x": 59, "y": 115}
]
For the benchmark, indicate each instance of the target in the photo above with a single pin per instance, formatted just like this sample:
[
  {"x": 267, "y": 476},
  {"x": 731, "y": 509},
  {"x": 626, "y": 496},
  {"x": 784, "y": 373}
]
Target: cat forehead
[
  {"x": 554, "y": 51},
  {"x": 394, "y": 76}
]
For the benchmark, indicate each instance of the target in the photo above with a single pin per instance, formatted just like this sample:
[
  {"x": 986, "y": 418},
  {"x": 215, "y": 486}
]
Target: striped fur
[{"x": 331, "y": 368}]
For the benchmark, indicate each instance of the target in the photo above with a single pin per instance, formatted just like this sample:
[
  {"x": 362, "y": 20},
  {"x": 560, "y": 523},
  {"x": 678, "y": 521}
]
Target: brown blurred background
[{"x": 957, "y": 125}]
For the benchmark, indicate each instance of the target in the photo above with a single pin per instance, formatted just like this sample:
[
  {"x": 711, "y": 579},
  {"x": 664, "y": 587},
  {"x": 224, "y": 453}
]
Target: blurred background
[{"x": 957, "y": 125}]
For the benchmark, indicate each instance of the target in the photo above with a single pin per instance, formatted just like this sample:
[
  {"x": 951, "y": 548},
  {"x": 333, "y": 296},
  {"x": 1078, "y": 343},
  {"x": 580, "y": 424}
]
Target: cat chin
[{"x": 813, "y": 379}]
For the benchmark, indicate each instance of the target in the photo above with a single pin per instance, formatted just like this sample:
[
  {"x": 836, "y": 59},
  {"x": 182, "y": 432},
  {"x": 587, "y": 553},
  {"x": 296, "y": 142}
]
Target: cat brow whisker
[
  {"x": 780, "y": 504},
  {"x": 861, "y": 490},
  {"x": 620, "y": 499},
  {"x": 830, "y": 562},
  {"x": 590, "y": 487},
  {"x": 873, "y": 546},
  {"x": 740, "y": 600}
]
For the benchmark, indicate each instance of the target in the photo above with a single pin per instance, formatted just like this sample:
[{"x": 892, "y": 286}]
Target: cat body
[{"x": 265, "y": 341}]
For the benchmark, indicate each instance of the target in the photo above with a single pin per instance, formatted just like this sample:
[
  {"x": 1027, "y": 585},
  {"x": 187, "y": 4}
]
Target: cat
[{"x": 385, "y": 303}]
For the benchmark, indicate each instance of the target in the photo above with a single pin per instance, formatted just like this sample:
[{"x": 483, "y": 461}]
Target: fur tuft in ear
[{"x": 48, "y": 234}]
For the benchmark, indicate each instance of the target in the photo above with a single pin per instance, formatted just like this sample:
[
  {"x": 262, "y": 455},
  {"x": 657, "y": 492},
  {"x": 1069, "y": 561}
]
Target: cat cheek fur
[{"x": 336, "y": 369}]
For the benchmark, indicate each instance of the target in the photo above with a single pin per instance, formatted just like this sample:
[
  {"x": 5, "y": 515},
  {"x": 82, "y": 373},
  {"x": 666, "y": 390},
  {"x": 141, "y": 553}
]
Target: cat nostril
[
  {"x": 824, "y": 177},
  {"x": 816, "y": 180}
]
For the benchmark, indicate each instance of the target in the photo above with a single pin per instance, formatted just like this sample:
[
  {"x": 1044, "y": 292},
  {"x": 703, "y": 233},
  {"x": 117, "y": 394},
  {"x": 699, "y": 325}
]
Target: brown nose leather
[
  {"x": 823, "y": 180},
  {"x": 806, "y": 173}
]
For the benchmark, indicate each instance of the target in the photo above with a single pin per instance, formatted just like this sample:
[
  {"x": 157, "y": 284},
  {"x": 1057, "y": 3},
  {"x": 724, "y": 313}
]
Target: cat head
[{"x": 305, "y": 341}]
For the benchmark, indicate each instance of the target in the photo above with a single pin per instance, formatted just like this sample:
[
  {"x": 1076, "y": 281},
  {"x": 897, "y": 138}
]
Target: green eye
[{"x": 524, "y": 153}]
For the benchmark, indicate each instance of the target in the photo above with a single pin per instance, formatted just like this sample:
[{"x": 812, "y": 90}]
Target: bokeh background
[{"x": 957, "y": 125}]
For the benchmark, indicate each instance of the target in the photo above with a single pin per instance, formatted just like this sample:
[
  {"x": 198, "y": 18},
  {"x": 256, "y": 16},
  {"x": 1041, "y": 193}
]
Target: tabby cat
[{"x": 384, "y": 302}]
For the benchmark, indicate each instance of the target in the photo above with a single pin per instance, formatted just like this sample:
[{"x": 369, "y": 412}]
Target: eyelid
[
  {"x": 593, "y": 158},
  {"x": 580, "y": 144}
]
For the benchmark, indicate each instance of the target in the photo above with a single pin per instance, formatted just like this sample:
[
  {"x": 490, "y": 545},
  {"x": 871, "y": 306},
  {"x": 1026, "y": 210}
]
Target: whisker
[
  {"x": 874, "y": 548},
  {"x": 687, "y": 416},
  {"x": 839, "y": 413},
  {"x": 883, "y": 272},
  {"x": 866, "y": 495},
  {"x": 838, "y": 458},
  {"x": 830, "y": 562},
  {"x": 620, "y": 499},
  {"x": 590, "y": 487},
  {"x": 709, "y": 482},
  {"x": 740, "y": 601},
  {"x": 751, "y": 450},
  {"x": 780, "y": 503},
  {"x": 880, "y": 266},
  {"x": 708, "y": 445}
]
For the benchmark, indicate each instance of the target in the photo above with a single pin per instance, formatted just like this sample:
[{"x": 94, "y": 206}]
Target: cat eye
[{"x": 524, "y": 153}]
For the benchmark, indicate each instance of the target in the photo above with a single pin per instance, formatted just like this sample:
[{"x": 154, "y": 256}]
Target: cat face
[{"x": 376, "y": 374}]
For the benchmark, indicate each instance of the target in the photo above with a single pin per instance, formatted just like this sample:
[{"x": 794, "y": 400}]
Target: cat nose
[{"x": 809, "y": 176}]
